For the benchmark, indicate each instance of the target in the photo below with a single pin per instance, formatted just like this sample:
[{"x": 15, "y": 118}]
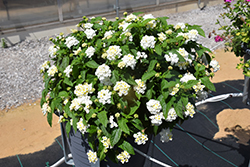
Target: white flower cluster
[
  {"x": 186, "y": 56},
  {"x": 52, "y": 51},
  {"x": 122, "y": 87},
  {"x": 162, "y": 37},
  {"x": 172, "y": 58},
  {"x": 129, "y": 61},
  {"x": 103, "y": 72},
  {"x": 67, "y": 71},
  {"x": 215, "y": 65},
  {"x": 45, "y": 108},
  {"x": 140, "y": 138},
  {"x": 131, "y": 17},
  {"x": 60, "y": 120},
  {"x": 104, "y": 96},
  {"x": 189, "y": 110},
  {"x": 52, "y": 70},
  {"x": 90, "y": 51},
  {"x": 123, "y": 157},
  {"x": 114, "y": 52},
  {"x": 92, "y": 156},
  {"x": 87, "y": 25},
  {"x": 108, "y": 34},
  {"x": 83, "y": 89},
  {"x": 76, "y": 52},
  {"x": 152, "y": 23},
  {"x": 166, "y": 135},
  {"x": 123, "y": 25},
  {"x": 198, "y": 87},
  {"x": 171, "y": 115},
  {"x": 192, "y": 35},
  {"x": 76, "y": 103},
  {"x": 112, "y": 122},
  {"x": 154, "y": 107},
  {"x": 174, "y": 89},
  {"x": 141, "y": 55},
  {"x": 187, "y": 77},
  {"x": 45, "y": 66},
  {"x": 71, "y": 41},
  {"x": 140, "y": 87},
  {"x": 148, "y": 42},
  {"x": 81, "y": 127},
  {"x": 90, "y": 33},
  {"x": 106, "y": 142},
  {"x": 180, "y": 26}
]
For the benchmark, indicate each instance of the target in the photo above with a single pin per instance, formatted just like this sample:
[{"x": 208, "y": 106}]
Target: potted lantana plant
[
  {"x": 237, "y": 33},
  {"x": 125, "y": 79}
]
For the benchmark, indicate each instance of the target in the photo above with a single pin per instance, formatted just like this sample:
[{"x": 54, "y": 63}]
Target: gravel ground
[{"x": 19, "y": 65}]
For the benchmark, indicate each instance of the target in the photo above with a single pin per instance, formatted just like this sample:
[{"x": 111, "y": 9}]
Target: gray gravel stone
[{"x": 20, "y": 76}]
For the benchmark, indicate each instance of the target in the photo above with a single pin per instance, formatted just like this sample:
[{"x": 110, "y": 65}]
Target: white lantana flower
[
  {"x": 112, "y": 122},
  {"x": 81, "y": 127},
  {"x": 104, "y": 96},
  {"x": 172, "y": 58},
  {"x": 123, "y": 157},
  {"x": 140, "y": 138},
  {"x": 169, "y": 32},
  {"x": 157, "y": 119},
  {"x": 141, "y": 55},
  {"x": 189, "y": 110},
  {"x": 90, "y": 33},
  {"x": 75, "y": 104},
  {"x": 153, "y": 106},
  {"x": 129, "y": 61},
  {"x": 114, "y": 52},
  {"x": 174, "y": 89},
  {"x": 166, "y": 135},
  {"x": 179, "y": 26},
  {"x": 198, "y": 87},
  {"x": 122, "y": 87},
  {"x": 102, "y": 72},
  {"x": 60, "y": 120},
  {"x": 71, "y": 41},
  {"x": 45, "y": 66},
  {"x": 152, "y": 23},
  {"x": 162, "y": 37},
  {"x": 52, "y": 70},
  {"x": 121, "y": 65},
  {"x": 123, "y": 25},
  {"x": 215, "y": 65},
  {"x": 83, "y": 89},
  {"x": 52, "y": 51},
  {"x": 76, "y": 52},
  {"x": 108, "y": 34},
  {"x": 140, "y": 87},
  {"x": 90, "y": 51},
  {"x": 187, "y": 77},
  {"x": 148, "y": 42},
  {"x": 65, "y": 101},
  {"x": 106, "y": 142},
  {"x": 193, "y": 35},
  {"x": 67, "y": 71},
  {"x": 92, "y": 157},
  {"x": 45, "y": 108},
  {"x": 87, "y": 25},
  {"x": 131, "y": 17},
  {"x": 171, "y": 115}
]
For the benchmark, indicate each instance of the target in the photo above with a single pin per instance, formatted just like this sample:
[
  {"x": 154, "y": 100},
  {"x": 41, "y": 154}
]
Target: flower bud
[
  {"x": 179, "y": 76},
  {"x": 68, "y": 88},
  {"x": 117, "y": 115},
  {"x": 104, "y": 18},
  {"x": 170, "y": 67},
  {"x": 96, "y": 100},
  {"x": 117, "y": 18},
  {"x": 119, "y": 106},
  {"x": 157, "y": 75},
  {"x": 125, "y": 13},
  {"x": 60, "y": 74},
  {"x": 136, "y": 116},
  {"x": 93, "y": 115}
]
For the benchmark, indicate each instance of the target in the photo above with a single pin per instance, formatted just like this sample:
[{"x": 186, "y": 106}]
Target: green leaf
[
  {"x": 168, "y": 106},
  {"x": 115, "y": 76},
  {"x": 104, "y": 131},
  {"x": 148, "y": 75},
  {"x": 127, "y": 147},
  {"x": 63, "y": 94},
  {"x": 190, "y": 83},
  {"x": 202, "y": 50},
  {"x": 89, "y": 115},
  {"x": 67, "y": 81},
  {"x": 125, "y": 48},
  {"x": 65, "y": 62},
  {"x": 138, "y": 124},
  {"x": 184, "y": 100},
  {"x": 163, "y": 20},
  {"x": 137, "y": 13},
  {"x": 152, "y": 65},
  {"x": 68, "y": 127},
  {"x": 92, "y": 64},
  {"x": 149, "y": 93},
  {"x": 83, "y": 74},
  {"x": 123, "y": 125},
  {"x": 49, "y": 118},
  {"x": 158, "y": 49},
  {"x": 127, "y": 78},
  {"x": 178, "y": 109},
  {"x": 134, "y": 108},
  {"x": 102, "y": 116},
  {"x": 115, "y": 136},
  {"x": 208, "y": 83}
]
